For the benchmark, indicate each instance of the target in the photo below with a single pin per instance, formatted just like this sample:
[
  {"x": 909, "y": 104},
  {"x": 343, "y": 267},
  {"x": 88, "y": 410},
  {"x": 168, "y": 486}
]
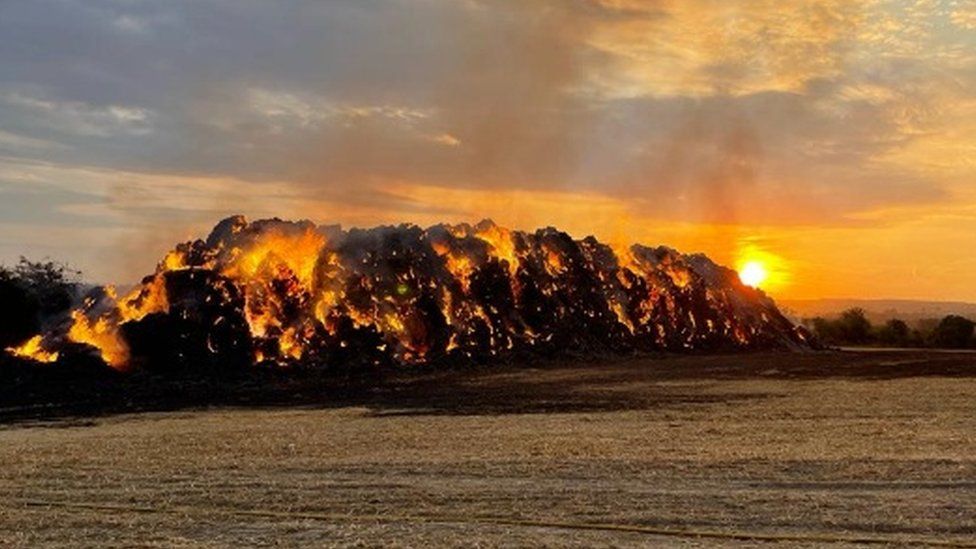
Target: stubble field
[{"x": 847, "y": 449}]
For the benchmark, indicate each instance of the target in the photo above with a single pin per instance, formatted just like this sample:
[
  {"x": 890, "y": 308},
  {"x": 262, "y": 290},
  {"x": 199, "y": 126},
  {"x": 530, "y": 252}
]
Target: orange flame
[
  {"x": 501, "y": 243},
  {"x": 33, "y": 350},
  {"x": 102, "y": 334}
]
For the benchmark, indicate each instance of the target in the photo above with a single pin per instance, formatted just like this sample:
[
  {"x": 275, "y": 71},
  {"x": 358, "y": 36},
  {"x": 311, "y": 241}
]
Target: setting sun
[{"x": 753, "y": 273}]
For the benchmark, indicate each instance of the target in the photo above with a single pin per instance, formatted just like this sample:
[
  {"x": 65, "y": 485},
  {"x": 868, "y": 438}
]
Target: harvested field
[{"x": 851, "y": 449}]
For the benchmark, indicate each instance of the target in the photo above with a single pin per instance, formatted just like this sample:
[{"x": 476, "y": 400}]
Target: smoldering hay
[{"x": 275, "y": 294}]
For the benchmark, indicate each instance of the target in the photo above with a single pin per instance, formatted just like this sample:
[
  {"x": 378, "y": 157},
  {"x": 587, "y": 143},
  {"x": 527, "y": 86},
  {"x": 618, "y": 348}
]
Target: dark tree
[
  {"x": 895, "y": 332},
  {"x": 854, "y": 327},
  {"x": 825, "y": 330},
  {"x": 30, "y": 293},
  {"x": 954, "y": 332},
  {"x": 52, "y": 284},
  {"x": 18, "y": 311}
]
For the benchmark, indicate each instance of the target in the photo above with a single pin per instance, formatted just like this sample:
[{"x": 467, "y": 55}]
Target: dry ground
[{"x": 840, "y": 449}]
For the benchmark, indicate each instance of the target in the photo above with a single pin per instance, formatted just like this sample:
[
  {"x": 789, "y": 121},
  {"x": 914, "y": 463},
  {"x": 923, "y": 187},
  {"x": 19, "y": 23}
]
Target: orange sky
[{"x": 833, "y": 139}]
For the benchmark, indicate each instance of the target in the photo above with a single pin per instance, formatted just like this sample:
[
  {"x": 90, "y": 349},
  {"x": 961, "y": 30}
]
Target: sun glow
[
  {"x": 753, "y": 273},
  {"x": 760, "y": 267}
]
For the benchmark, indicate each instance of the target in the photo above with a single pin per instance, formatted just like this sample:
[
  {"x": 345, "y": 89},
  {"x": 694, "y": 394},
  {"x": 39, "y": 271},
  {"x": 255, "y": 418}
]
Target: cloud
[
  {"x": 663, "y": 113},
  {"x": 708, "y": 47},
  {"x": 78, "y": 118},
  {"x": 15, "y": 142},
  {"x": 312, "y": 111},
  {"x": 964, "y": 15},
  {"x": 131, "y": 24}
]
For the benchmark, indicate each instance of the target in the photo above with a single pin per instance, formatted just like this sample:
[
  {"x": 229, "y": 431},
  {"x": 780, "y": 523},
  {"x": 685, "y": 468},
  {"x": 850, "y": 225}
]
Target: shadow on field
[
  {"x": 555, "y": 386},
  {"x": 642, "y": 383}
]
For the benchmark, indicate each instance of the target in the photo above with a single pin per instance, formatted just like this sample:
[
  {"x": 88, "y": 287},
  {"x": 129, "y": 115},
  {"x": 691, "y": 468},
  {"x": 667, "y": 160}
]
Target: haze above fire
[{"x": 833, "y": 136}]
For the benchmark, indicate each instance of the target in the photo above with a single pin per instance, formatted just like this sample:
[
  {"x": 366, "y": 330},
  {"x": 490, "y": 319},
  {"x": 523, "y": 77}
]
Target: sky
[{"x": 832, "y": 140}]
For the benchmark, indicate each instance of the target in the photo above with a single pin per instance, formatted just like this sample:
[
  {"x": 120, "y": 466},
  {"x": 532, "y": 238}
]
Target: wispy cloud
[
  {"x": 79, "y": 118},
  {"x": 706, "y": 121}
]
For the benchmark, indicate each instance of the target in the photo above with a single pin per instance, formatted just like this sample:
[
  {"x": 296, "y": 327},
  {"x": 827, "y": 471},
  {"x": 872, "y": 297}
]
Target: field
[{"x": 847, "y": 449}]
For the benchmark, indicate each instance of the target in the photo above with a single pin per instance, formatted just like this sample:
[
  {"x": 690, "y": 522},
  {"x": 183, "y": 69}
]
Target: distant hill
[{"x": 877, "y": 310}]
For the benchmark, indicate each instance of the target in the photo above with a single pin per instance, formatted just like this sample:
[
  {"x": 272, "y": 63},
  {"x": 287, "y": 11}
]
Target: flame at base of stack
[{"x": 280, "y": 293}]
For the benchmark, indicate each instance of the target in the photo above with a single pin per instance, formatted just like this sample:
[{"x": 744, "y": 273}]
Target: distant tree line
[
  {"x": 31, "y": 292},
  {"x": 852, "y": 327}
]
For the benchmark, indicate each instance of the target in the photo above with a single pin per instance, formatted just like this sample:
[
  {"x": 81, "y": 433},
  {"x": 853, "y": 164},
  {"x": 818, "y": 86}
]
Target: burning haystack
[{"x": 278, "y": 293}]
